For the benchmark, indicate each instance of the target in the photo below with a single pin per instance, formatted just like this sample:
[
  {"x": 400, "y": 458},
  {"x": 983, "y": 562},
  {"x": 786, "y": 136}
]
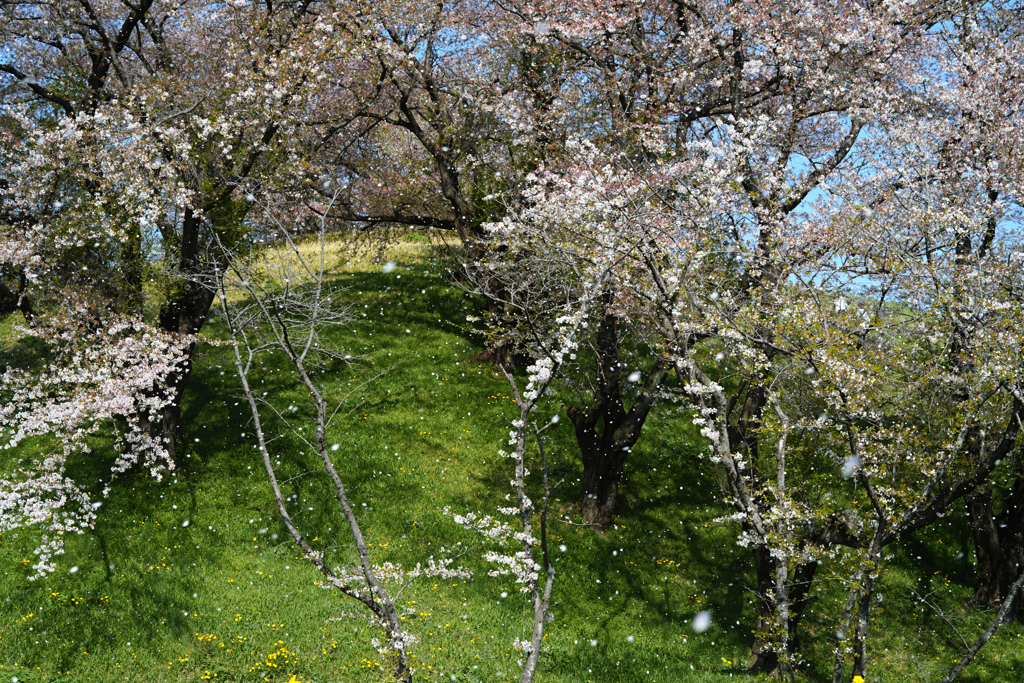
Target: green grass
[{"x": 226, "y": 598}]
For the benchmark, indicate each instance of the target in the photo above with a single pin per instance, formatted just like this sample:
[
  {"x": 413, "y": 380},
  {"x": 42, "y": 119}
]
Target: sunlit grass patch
[{"x": 297, "y": 263}]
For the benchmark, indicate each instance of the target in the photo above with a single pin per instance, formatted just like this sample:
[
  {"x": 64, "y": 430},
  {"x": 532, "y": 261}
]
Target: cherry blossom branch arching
[{"x": 105, "y": 376}]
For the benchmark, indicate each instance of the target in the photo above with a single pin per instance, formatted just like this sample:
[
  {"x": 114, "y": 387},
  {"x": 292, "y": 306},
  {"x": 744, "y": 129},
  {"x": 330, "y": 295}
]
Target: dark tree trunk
[
  {"x": 998, "y": 544},
  {"x": 504, "y": 356},
  {"x": 184, "y": 313},
  {"x": 8, "y": 299},
  {"x": 860, "y": 634},
  {"x": 743, "y": 438},
  {"x": 764, "y": 658},
  {"x": 499, "y": 352},
  {"x": 11, "y": 301},
  {"x": 604, "y": 452},
  {"x": 799, "y": 596},
  {"x": 186, "y": 316},
  {"x": 602, "y": 471},
  {"x": 987, "y": 548}
]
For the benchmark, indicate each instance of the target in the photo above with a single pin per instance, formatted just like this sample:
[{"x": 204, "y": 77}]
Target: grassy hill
[{"x": 193, "y": 578}]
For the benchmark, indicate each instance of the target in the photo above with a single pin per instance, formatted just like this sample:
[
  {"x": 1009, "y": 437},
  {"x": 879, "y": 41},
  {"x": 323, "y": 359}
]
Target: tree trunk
[
  {"x": 8, "y": 299},
  {"x": 860, "y": 635},
  {"x": 602, "y": 472},
  {"x": 184, "y": 313},
  {"x": 764, "y": 658},
  {"x": 998, "y": 545},
  {"x": 508, "y": 357},
  {"x": 11, "y": 301},
  {"x": 604, "y": 452}
]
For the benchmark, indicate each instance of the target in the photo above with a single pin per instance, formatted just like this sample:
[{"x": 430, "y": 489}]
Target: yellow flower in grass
[{"x": 858, "y": 679}]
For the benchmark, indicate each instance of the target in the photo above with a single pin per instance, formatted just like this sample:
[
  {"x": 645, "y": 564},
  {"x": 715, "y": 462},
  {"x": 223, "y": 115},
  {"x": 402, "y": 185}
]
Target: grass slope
[{"x": 192, "y": 578}]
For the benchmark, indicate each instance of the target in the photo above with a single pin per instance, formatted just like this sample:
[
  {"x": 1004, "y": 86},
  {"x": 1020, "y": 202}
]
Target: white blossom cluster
[
  {"x": 110, "y": 378},
  {"x": 395, "y": 573},
  {"x": 519, "y": 565}
]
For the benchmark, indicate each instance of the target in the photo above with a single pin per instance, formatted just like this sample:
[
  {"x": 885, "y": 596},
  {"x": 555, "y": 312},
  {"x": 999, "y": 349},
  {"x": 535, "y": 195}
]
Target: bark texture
[
  {"x": 605, "y": 430},
  {"x": 998, "y": 544},
  {"x": 184, "y": 312},
  {"x": 764, "y": 655}
]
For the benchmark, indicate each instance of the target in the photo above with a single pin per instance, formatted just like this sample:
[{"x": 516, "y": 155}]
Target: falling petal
[
  {"x": 850, "y": 466},
  {"x": 701, "y": 622}
]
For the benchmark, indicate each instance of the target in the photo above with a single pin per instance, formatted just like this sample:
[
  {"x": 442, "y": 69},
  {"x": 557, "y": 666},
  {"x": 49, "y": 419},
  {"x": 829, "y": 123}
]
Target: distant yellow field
[
  {"x": 340, "y": 254},
  {"x": 297, "y": 264}
]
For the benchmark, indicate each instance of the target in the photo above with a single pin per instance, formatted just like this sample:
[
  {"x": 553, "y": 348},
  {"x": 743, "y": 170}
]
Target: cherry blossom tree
[
  {"x": 284, "y": 313},
  {"x": 523, "y": 565},
  {"x": 134, "y": 134},
  {"x": 801, "y": 222},
  {"x": 448, "y": 140},
  {"x": 656, "y": 78},
  {"x": 109, "y": 375},
  {"x": 807, "y": 214}
]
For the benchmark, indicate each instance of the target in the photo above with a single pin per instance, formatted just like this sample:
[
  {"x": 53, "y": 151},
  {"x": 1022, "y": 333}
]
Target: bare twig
[{"x": 1000, "y": 617}]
